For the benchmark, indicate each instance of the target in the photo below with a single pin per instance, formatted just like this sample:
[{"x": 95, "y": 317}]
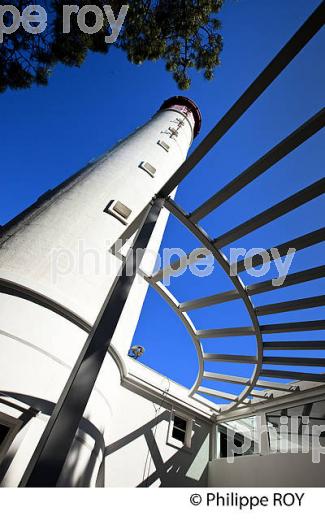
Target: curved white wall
[{"x": 38, "y": 347}]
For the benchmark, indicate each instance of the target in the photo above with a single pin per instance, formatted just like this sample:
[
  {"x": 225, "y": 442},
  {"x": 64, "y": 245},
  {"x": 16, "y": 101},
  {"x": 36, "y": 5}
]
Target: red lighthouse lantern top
[{"x": 187, "y": 107}]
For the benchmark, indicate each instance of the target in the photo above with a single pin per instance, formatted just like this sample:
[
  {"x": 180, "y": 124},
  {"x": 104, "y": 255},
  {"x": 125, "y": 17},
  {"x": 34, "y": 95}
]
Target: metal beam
[
  {"x": 237, "y": 380},
  {"x": 224, "y": 264},
  {"x": 217, "y": 393},
  {"x": 210, "y": 300},
  {"x": 174, "y": 305},
  {"x": 222, "y": 333},
  {"x": 272, "y": 385},
  {"x": 294, "y": 361},
  {"x": 168, "y": 269},
  {"x": 278, "y": 210},
  {"x": 294, "y": 345},
  {"x": 304, "y": 34},
  {"x": 291, "y": 305},
  {"x": 230, "y": 358},
  {"x": 49, "y": 457},
  {"x": 278, "y": 152},
  {"x": 293, "y": 327},
  {"x": 265, "y": 329},
  {"x": 298, "y": 243},
  {"x": 259, "y": 394},
  {"x": 186, "y": 259},
  {"x": 296, "y": 376},
  {"x": 296, "y": 398},
  {"x": 292, "y": 279}
]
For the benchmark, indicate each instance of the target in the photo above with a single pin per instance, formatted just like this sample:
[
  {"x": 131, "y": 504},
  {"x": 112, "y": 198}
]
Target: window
[
  {"x": 118, "y": 210},
  {"x": 238, "y": 437},
  {"x": 180, "y": 431},
  {"x": 122, "y": 210},
  {"x": 147, "y": 167},
  {"x": 295, "y": 429},
  {"x": 164, "y": 145}
]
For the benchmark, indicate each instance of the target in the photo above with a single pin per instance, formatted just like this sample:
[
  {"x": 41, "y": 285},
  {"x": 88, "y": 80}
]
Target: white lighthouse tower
[{"x": 56, "y": 269}]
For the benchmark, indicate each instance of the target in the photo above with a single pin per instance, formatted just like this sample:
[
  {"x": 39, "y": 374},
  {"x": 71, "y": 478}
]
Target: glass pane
[
  {"x": 318, "y": 410},
  {"x": 178, "y": 434},
  {"x": 239, "y": 437},
  {"x": 180, "y": 423},
  {"x": 295, "y": 430}
]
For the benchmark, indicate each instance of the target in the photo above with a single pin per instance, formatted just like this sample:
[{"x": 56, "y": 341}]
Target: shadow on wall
[
  {"x": 24, "y": 417},
  {"x": 173, "y": 472},
  {"x": 71, "y": 475}
]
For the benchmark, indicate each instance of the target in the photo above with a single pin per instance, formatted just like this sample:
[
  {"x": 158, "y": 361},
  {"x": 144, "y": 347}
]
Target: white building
[{"x": 57, "y": 265}]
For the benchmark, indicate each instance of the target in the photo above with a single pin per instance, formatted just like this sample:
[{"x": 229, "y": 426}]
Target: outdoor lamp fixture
[{"x": 136, "y": 351}]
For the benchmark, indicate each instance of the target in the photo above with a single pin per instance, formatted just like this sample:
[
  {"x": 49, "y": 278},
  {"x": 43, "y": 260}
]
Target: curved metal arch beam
[
  {"x": 186, "y": 320},
  {"x": 206, "y": 241},
  {"x": 176, "y": 307}
]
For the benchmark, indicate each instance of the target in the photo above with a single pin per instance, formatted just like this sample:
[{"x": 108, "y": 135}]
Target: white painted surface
[
  {"x": 138, "y": 453},
  {"x": 276, "y": 470},
  {"x": 38, "y": 347},
  {"x": 74, "y": 232}
]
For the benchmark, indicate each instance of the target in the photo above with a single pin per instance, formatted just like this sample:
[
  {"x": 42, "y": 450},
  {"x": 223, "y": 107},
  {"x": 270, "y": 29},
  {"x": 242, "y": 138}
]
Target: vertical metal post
[
  {"x": 213, "y": 442},
  {"x": 49, "y": 457},
  {"x": 263, "y": 434}
]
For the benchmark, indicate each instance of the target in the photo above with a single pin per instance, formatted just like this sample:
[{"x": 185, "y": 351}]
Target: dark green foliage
[{"x": 183, "y": 33}]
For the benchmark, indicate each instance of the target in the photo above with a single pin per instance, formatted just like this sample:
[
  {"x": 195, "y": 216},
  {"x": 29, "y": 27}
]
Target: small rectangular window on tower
[
  {"x": 164, "y": 145},
  {"x": 147, "y": 167},
  {"x": 118, "y": 210}
]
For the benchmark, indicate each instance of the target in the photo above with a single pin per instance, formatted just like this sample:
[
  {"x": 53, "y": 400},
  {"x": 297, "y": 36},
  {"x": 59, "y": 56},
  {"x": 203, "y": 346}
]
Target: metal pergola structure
[
  {"x": 191, "y": 221},
  {"x": 47, "y": 462}
]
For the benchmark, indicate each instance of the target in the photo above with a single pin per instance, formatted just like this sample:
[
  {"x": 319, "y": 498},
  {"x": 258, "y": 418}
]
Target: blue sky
[{"x": 46, "y": 134}]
